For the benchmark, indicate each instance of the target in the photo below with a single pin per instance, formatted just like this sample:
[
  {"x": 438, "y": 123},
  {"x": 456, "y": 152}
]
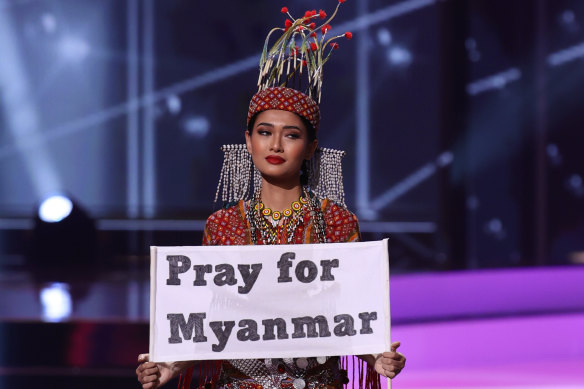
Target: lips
[{"x": 275, "y": 160}]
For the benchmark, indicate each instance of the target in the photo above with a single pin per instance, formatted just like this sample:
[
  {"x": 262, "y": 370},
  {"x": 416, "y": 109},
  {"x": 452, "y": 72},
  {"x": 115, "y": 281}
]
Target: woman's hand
[
  {"x": 153, "y": 375},
  {"x": 390, "y": 363}
]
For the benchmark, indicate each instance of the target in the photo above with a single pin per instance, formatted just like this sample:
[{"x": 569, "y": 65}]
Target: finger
[
  {"x": 395, "y": 345},
  {"x": 153, "y": 371},
  {"x": 149, "y": 378},
  {"x": 393, "y": 362},
  {"x": 143, "y": 357},
  {"x": 147, "y": 365},
  {"x": 394, "y": 355},
  {"x": 390, "y": 354},
  {"x": 394, "y": 366},
  {"x": 403, "y": 357}
]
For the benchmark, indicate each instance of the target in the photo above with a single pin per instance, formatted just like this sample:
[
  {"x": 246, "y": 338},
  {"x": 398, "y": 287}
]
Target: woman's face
[{"x": 278, "y": 145}]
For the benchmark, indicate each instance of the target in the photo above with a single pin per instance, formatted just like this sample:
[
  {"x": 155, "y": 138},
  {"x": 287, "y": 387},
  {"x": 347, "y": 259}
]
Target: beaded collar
[
  {"x": 295, "y": 207},
  {"x": 284, "y": 233}
]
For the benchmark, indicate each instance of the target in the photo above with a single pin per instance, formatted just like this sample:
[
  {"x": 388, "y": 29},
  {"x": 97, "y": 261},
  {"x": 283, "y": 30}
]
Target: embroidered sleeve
[
  {"x": 341, "y": 224},
  {"x": 226, "y": 227}
]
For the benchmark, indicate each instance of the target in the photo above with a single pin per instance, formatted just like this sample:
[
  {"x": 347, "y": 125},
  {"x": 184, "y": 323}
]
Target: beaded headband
[{"x": 285, "y": 99}]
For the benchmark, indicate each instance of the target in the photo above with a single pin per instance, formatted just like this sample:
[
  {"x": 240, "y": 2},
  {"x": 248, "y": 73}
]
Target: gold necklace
[{"x": 277, "y": 215}]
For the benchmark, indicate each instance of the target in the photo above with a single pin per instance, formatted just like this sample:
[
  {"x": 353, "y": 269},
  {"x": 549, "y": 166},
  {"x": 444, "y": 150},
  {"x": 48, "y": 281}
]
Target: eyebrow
[{"x": 285, "y": 127}]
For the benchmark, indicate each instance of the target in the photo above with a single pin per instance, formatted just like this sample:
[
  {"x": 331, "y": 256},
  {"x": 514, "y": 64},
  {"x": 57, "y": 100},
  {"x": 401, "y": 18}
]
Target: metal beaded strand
[
  {"x": 326, "y": 176},
  {"x": 221, "y": 175},
  {"x": 235, "y": 178},
  {"x": 257, "y": 179}
]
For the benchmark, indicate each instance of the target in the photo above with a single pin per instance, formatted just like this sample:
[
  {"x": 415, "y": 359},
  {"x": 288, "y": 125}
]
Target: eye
[
  {"x": 261, "y": 131},
  {"x": 293, "y": 135}
]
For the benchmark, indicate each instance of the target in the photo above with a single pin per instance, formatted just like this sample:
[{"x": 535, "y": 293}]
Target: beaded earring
[
  {"x": 238, "y": 174},
  {"x": 240, "y": 179},
  {"x": 325, "y": 174}
]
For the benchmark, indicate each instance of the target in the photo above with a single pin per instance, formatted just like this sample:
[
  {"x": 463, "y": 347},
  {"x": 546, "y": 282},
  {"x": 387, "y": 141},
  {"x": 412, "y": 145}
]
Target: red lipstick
[{"x": 275, "y": 160}]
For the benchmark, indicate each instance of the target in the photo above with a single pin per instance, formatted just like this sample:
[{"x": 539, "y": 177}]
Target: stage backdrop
[{"x": 281, "y": 301}]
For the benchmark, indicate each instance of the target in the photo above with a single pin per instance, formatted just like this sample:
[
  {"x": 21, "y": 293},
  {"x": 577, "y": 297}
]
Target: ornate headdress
[{"x": 296, "y": 58}]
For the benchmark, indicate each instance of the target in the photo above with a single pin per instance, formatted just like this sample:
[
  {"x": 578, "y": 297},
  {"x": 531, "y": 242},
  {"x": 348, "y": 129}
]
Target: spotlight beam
[
  {"x": 21, "y": 114},
  {"x": 412, "y": 181},
  {"x": 32, "y": 142},
  {"x": 494, "y": 82},
  {"x": 567, "y": 55}
]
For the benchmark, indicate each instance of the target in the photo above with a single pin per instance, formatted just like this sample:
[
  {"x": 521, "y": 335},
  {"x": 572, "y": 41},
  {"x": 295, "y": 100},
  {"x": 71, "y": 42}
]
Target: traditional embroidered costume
[
  {"x": 231, "y": 226},
  {"x": 318, "y": 216}
]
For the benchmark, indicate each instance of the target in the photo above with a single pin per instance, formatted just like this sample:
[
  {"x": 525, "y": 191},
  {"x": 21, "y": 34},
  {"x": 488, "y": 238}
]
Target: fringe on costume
[
  {"x": 363, "y": 376},
  {"x": 208, "y": 375},
  {"x": 366, "y": 376}
]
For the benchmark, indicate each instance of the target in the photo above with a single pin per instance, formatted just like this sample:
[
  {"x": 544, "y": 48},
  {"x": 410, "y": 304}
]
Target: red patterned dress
[{"x": 230, "y": 226}]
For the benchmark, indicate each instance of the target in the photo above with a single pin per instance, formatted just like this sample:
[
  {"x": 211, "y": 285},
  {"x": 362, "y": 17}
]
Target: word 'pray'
[{"x": 305, "y": 271}]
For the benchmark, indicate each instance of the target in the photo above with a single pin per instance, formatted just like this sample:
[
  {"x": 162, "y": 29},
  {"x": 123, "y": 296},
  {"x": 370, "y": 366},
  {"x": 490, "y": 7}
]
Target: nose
[{"x": 276, "y": 144}]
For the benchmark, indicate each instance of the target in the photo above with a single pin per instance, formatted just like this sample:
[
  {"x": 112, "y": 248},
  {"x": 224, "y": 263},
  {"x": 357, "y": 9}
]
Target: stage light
[
  {"x": 494, "y": 82},
  {"x": 445, "y": 159},
  {"x": 55, "y": 208},
  {"x": 63, "y": 235},
  {"x": 56, "y": 302},
  {"x": 568, "y": 17},
  {"x": 554, "y": 155},
  {"x": 384, "y": 36},
  {"x": 398, "y": 56},
  {"x": 174, "y": 104},
  {"x": 74, "y": 49},
  {"x": 49, "y": 23},
  {"x": 470, "y": 44},
  {"x": 494, "y": 227},
  {"x": 574, "y": 185},
  {"x": 474, "y": 54},
  {"x": 472, "y": 203},
  {"x": 575, "y": 181},
  {"x": 196, "y": 125}
]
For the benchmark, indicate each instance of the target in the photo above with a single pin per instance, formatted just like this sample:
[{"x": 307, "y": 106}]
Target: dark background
[{"x": 461, "y": 121}]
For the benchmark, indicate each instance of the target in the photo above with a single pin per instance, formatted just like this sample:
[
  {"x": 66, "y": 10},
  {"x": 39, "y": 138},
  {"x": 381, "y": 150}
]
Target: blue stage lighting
[
  {"x": 196, "y": 125},
  {"x": 55, "y": 208},
  {"x": 399, "y": 56},
  {"x": 384, "y": 36},
  {"x": 74, "y": 49}
]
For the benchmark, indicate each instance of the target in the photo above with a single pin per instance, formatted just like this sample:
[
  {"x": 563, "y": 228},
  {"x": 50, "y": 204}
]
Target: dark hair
[{"x": 309, "y": 128}]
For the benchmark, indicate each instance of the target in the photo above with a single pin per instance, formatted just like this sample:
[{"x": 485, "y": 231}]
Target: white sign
[{"x": 277, "y": 301}]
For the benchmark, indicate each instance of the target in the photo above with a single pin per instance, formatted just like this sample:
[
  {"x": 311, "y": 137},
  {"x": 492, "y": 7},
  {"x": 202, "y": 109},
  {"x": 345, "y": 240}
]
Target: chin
[{"x": 280, "y": 177}]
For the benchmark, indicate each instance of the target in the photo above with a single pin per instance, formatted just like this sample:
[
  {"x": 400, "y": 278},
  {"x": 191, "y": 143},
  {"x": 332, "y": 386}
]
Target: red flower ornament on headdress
[{"x": 298, "y": 56}]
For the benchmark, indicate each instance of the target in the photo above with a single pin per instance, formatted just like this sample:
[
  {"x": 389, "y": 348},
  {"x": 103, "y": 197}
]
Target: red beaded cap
[{"x": 285, "y": 99}]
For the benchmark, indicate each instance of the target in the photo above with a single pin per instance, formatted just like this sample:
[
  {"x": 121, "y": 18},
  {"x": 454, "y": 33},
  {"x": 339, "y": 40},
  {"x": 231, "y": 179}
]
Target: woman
[
  {"x": 296, "y": 200},
  {"x": 279, "y": 143}
]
